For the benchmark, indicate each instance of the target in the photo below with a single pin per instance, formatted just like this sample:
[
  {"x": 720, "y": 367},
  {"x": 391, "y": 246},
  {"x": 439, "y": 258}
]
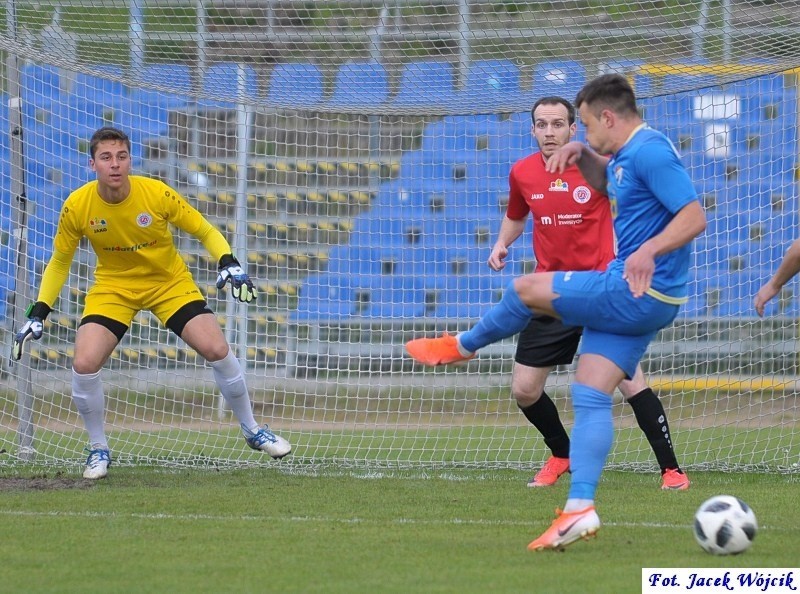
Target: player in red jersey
[{"x": 572, "y": 230}]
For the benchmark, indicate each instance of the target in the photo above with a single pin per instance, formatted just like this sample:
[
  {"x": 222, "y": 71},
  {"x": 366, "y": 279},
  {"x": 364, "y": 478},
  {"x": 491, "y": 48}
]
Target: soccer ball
[{"x": 725, "y": 525}]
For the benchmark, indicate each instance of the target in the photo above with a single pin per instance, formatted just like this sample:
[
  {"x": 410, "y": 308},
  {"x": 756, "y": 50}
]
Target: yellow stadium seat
[
  {"x": 228, "y": 198},
  {"x": 325, "y": 167},
  {"x": 303, "y": 166}
]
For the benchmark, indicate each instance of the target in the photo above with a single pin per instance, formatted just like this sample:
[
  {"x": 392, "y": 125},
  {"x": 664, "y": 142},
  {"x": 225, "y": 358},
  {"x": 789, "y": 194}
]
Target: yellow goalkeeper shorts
[{"x": 123, "y": 303}]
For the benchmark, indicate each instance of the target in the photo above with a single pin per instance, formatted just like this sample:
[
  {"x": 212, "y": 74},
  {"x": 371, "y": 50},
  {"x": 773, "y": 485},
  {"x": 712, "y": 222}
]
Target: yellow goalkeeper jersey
[{"x": 132, "y": 240}]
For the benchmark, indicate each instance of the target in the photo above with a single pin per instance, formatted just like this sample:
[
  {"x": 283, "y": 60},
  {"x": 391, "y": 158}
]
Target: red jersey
[{"x": 572, "y": 228}]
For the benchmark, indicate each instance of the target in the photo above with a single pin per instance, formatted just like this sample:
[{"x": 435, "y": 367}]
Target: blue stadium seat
[
  {"x": 490, "y": 84},
  {"x": 41, "y": 231},
  {"x": 770, "y": 136},
  {"x": 360, "y": 84},
  {"x": 643, "y": 84},
  {"x": 354, "y": 260},
  {"x": 295, "y": 84},
  {"x": 7, "y": 279},
  {"x": 324, "y": 297},
  {"x": 40, "y": 86},
  {"x": 426, "y": 83},
  {"x": 386, "y": 226},
  {"x": 176, "y": 77},
  {"x": 456, "y": 166},
  {"x": 52, "y": 156},
  {"x": 461, "y": 133},
  {"x": 562, "y": 78},
  {"x": 763, "y": 194},
  {"x": 46, "y": 201},
  {"x": 96, "y": 88},
  {"x": 141, "y": 121},
  {"x": 714, "y": 252},
  {"x": 766, "y": 99},
  {"x": 513, "y": 136},
  {"x": 464, "y": 297},
  {"x": 427, "y": 166},
  {"x": 79, "y": 121},
  {"x": 758, "y": 165},
  {"x": 222, "y": 80},
  {"x": 394, "y": 296}
]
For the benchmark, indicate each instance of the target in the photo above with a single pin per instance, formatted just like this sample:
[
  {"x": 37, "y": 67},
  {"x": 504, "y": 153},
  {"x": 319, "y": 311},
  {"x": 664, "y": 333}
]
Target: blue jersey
[{"x": 647, "y": 186}]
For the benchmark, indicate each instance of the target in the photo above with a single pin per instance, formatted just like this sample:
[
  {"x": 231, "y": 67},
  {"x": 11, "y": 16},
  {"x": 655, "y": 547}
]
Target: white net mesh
[{"x": 357, "y": 152}]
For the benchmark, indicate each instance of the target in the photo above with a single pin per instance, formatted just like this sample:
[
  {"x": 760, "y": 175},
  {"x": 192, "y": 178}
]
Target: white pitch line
[
  {"x": 329, "y": 520},
  {"x": 319, "y": 519}
]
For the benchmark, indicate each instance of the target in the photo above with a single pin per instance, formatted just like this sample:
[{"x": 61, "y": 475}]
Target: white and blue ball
[{"x": 725, "y": 525}]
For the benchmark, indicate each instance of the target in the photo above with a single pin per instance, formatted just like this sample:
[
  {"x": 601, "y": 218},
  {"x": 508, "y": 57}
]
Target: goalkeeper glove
[
  {"x": 230, "y": 271},
  {"x": 36, "y": 313}
]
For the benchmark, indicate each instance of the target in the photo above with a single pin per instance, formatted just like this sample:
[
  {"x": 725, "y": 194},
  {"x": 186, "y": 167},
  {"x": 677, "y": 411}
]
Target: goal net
[{"x": 356, "y": 155}]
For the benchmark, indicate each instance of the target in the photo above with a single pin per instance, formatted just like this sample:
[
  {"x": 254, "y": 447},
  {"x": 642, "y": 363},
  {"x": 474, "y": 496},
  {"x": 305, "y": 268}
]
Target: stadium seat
[
  {"x": 513, "y": 136},
  {"x": 176, "y": 77},
  {"x": 222, "y": 87},
  {"x": 388, "y": 226},
  {"x": 766, "y": 99},
  {"x": 324, "y": 297},
  {"x": 354, "y": 260},
  {"x": 79, "y": 121},
  {"x": 642, "y": 83},
  {"x": 426, "y": 83},
  {"x": 295, "y": 84},
  {"x": 768, "y": 136},
  {"x": 758, "y": 165},
  {"x": 140, "y": 120},
  {"x": 360, "y": 84},
  {"x": 40, "y": 86},
  {"x": 41, "y": 231},
  {"x": 490, "y": 85},
  {"x": 557, "y": 78},
  {"x": 462, "y": 297},
  {"x": 461, "y": 133},
  {"x": 99, "y": 87},
  {"x": 391, "y": 296},
  {"x": 7, "y": 280},
  {"x": 430, "y": 166}
]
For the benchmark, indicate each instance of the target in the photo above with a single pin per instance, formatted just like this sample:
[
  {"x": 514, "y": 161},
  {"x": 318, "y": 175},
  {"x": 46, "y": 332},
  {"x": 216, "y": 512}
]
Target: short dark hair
[
  {"x": 608, "y": 91},
  {"x": 554, "y": 100},
  {"x": 107, "y": 133}
]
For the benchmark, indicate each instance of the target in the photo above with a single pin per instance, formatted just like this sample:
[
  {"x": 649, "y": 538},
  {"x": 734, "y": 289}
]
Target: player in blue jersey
[{"x": 656, "y": 216}]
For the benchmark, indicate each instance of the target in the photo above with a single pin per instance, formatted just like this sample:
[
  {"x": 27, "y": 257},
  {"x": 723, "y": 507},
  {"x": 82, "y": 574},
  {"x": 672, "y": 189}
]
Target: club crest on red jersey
[{"x": 581, "y": 194}]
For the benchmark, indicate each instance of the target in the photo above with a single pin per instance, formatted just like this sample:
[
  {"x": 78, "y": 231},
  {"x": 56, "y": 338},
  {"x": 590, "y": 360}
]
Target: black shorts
[{"x": 547, "y": 342}]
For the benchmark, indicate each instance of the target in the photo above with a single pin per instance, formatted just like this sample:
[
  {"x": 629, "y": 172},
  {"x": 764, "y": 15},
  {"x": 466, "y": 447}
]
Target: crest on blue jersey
[{"x": 618, "y": 173}]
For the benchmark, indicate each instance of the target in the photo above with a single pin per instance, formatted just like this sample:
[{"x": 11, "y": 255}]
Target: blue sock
[
  {"x": 591, "y": 439},
  {"x": 507, "y": 318}
]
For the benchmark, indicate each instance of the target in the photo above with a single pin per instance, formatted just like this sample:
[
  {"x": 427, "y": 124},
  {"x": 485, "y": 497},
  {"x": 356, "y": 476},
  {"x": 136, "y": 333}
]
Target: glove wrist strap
[
  {"x": 38, "y": 310},
  {"x": 227, "y": 260}
]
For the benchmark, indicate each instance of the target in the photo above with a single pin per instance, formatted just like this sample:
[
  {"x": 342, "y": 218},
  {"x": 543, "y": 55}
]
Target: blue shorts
[{"x": 616, "y": 324}]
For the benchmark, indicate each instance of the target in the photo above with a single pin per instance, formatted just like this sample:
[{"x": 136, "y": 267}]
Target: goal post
[{"x": 356, "y": 156}]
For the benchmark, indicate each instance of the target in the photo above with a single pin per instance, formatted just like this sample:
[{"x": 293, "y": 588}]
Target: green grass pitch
[{"x": 293, "y": 529}]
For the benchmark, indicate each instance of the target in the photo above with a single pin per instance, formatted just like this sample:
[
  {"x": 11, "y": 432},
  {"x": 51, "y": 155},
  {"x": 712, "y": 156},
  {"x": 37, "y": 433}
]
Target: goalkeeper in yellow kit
[{"x": 126, "y": 220}]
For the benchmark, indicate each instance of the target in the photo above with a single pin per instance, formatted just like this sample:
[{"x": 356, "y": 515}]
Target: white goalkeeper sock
[
  {"x": 230, "y": 380},
  {"x": 87, "y": 394}
]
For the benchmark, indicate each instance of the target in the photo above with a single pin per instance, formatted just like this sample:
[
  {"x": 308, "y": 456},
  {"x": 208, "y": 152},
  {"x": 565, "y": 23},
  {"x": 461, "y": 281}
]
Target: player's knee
[
  {"x": 86, "y": 365},
  {"x": 525, "y": 397},
  {"x": 215, "y": 351}
]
